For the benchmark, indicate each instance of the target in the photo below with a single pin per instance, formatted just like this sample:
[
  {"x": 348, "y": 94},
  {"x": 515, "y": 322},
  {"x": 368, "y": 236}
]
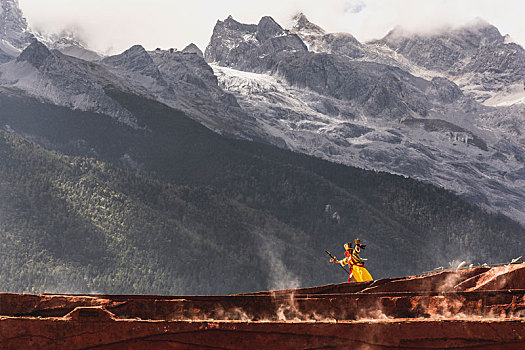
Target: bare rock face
[
  {"x": 482, "y": 308},
  {"x": 344, "y": 44},
  {"x": 193, "y": 49},
  {"x": 443, "y": 51},
  {"x": 477, "y": 49},
  {"x": 135, "y": 59},
  {"x": 251, "y": 47},
  {"x": 14, "y": 32},
  {"x": 267, "y": 29},
  {"x": 319, "y": 41},
  {"x": 36, "y": 54},
  {"x": 444, "y": 90},
  {"x": 378, "y": 90},
  {"x": 64, "y": 81},
  {"x": 229, "y": 40}
]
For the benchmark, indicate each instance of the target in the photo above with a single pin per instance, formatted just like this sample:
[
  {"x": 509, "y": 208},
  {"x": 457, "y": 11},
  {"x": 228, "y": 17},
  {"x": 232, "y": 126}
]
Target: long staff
[{"x": 333, "y": 257}]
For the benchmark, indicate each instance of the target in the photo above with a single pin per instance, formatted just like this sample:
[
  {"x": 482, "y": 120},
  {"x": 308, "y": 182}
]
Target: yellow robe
[
  {"x": 358, "y": 272},
  {"x": 361, "y": 274}
]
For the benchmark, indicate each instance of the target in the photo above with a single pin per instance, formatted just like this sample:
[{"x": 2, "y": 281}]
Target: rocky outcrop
[
  {"x": 267, "y": 29},
  {"x": 374, "y": 89},
  {"x": 446, "y": 50},
  {"x": 482, "y": 308},
  {"x": 443, "y": 90},
  {"x": 318, "y": 40},
  {"x": 67, "y": 43},
  {"x": 64, "y": 81},
  {"x": 14, "y": 30},
  {"x": 251, "y": 47},
  {"x": 137, "y": 60},
  {"x": 477, "y": 52},
  {"x": 378, "y": 90},
  {"x": 36, "y": 54},
  {"x": 193, "y": 49}
]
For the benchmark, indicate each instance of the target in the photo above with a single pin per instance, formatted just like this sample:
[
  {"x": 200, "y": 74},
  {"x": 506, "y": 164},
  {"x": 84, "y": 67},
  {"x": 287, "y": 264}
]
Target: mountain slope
[
  {"x": 63, "y": 80},
  {"x": 16, "y": 35},
  {"x": 318, "y": 40},
  {"x": 205, "y": 209},
  {"x": 165, "y": 205},
  {"x": 14, "y": 32},
  {"x": 474, "y": 55},
  {"x": 362, "y": 112},
  {"x": 361, "y": 108}
]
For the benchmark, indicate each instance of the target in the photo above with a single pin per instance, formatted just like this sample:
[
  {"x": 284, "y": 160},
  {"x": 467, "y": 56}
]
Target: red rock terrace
[{"x": 479, "y": 308}]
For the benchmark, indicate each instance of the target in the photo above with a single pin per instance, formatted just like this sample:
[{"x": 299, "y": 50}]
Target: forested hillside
[{"x": 174, "y": 208}]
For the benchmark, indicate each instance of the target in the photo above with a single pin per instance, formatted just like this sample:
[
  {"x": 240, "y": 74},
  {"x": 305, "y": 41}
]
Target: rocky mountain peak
[
  {"x": 479, "y": 32},
  {"x": 268, "y": 28},
  {"x": 192, "y": 48},
  {"x": 13, "y": 25},
  {"x": 68, "y": 42},
  {"x": 135, "y": 50},
  {"x": 15, "y": 36},
  {"x": 319, "y": 41},
  {"x": 63, "y": 39},
  {"x": 231, "y": 24},
  {"x": 230, "y": 35},
  {"x": 136, "y": 58},
  {"x": 471, "y": 35},
  {"x": 444, "y": 49},
  {"x": 303, "y": 25},
  {"x": 36, "y": 54}
]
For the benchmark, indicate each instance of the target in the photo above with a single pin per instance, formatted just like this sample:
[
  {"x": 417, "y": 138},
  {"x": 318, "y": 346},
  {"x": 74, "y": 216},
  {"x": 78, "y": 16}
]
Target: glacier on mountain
[
  {"x": 445, "y": 108},
  {"x": 447, "y": 138}
]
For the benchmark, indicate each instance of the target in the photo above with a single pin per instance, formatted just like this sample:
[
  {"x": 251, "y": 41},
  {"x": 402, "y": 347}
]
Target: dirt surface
[{"x": 481, "y": 308}]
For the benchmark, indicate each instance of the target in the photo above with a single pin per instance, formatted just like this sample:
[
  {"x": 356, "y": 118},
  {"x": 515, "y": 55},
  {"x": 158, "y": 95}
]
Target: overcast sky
[{"x": 111, "y": 26}]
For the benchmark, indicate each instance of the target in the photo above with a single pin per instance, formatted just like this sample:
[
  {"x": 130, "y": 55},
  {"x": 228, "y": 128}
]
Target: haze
[{"x": 111, "y": 26}]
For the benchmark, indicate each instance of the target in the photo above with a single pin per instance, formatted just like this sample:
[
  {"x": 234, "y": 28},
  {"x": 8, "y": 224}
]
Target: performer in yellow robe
[{"x": 355, "y": 262}]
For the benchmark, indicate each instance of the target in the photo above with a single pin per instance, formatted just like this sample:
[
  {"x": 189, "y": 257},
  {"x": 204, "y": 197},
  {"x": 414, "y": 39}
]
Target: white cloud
[
  {"x": 354, "y": 6},
  {"x": 379, "y": 16},
  {"x": 115, "y": 25}
]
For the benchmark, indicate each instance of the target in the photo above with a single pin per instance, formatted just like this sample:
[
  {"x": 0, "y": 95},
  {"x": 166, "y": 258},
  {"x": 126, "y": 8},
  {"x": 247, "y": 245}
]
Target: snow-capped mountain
[
  {"x": 180, "y": 79},
  {"x": 16, "y": 35},
  {"x": 69, "y": 43},
  {"x": 14, "y": 32},
  {"x": 184, "y": 81},
  {"x": 446, "y": 108},
  {"x": 62, "y": 80},
  {"x": 475, "y": 56},
  {"x": 59, "y": 69},
  {"x": 371, "y": 106},
  {"x": 318, "y": 40}
]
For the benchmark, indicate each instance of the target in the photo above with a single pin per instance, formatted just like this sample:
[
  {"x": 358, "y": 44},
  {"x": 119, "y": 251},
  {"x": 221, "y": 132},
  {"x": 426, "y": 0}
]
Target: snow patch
[
  {"x": 84, "y": 97},
  {"x": 9, "y": 49},
  {"x": 249, "y": 38},
  {"x": 446, "y": 158},
  {"x": 511, "y": 95}
]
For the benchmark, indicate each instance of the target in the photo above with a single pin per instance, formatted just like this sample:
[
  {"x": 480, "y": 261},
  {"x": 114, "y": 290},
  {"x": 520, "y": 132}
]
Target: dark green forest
[{"x": 88, "y": 205}]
